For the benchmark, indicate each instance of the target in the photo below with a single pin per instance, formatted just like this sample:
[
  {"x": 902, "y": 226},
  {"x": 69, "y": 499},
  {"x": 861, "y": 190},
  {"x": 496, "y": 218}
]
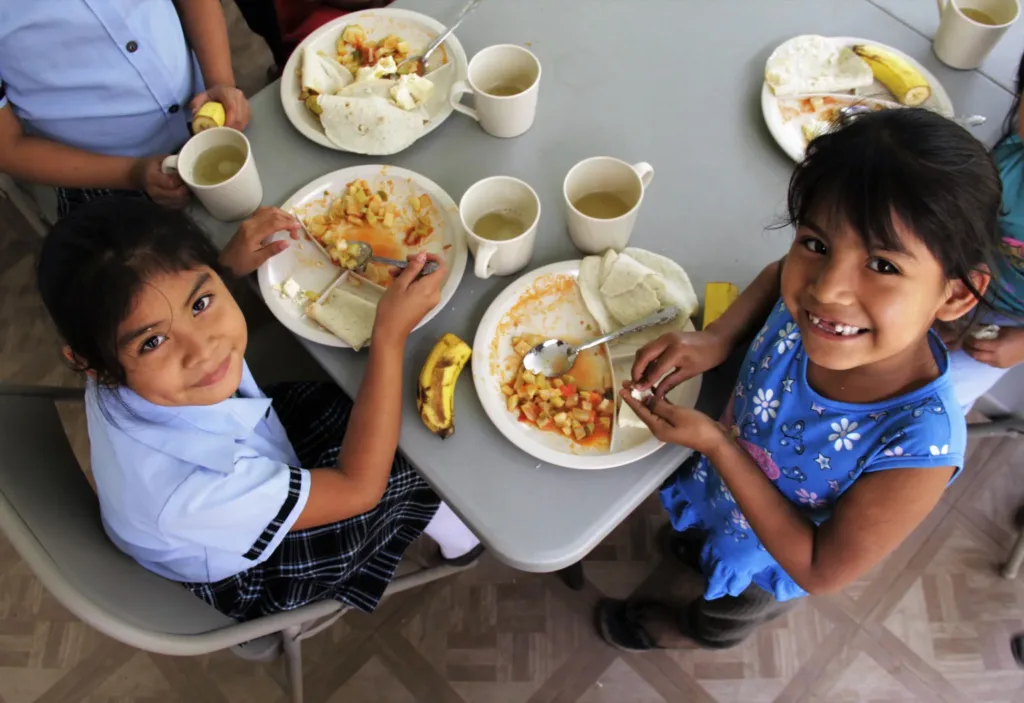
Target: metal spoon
[
  {"x": 851, "y": 112},
  {"x": 365, "y": 256},
  {"x": 554, "y": 357},
  {"x": 432, "y": 46}
]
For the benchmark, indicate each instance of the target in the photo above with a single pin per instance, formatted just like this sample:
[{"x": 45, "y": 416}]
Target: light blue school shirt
[
  {"x": 194, "y": 493},
  {"x": 108, "y": 76}
]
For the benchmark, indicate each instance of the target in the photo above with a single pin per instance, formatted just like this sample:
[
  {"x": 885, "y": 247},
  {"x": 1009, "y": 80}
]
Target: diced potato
[
  {"x": 586, "y": 405},
  {"x": 543, "y": 383},
  {"x": 572, "y": 401},
  {"x": 605, "y": 422},
  {"x": 574, "y": 423},
  {"x": 402, "y": 47},
  {"x": 568, "y": 380},
  {"x": 590, "y": 428},
  {"x": 557, "y": 383},
  {"x": 371, "y": 218},
  {"x": 518, "y": 385},
  {"x": 543, "y": 422},
  {"x": 580, "y": 433},
  {"x": 508, "y": 390},
  {"x": 548, "y": 393},
  {"x": 606, "y": 407},
  {"x": 414, "y": 201},
  {"x": 353, "y": 34},
  {"x": 561, "y": 419},
  {"x": 354, "y": 219},
  {"x": 530, "y": 390},
  {"x": 512, "y": 403},
  {"x": 558, "y": 402},
  {"x": 529, "y": 377},
  {"x": 389, "y": 219},
  {"x": 581, "y": 414},
  {"x": 531, "y": 411},
  {"x": 567, "y": 431}
]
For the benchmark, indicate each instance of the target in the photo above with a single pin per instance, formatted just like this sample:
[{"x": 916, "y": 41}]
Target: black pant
[{"x": 261, "y": 16}]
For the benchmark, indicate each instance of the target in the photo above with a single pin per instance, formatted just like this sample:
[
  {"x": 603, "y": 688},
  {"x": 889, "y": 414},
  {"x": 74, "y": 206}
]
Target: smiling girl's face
[
  {"x": 857, "y": 306},
  {"x": 183, "y": 341}
]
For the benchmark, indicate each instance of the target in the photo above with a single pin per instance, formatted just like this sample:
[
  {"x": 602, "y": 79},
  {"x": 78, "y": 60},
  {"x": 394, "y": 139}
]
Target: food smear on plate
[
  {"x": 579, "y": 405},
  {"x": 371, "y": 214}
]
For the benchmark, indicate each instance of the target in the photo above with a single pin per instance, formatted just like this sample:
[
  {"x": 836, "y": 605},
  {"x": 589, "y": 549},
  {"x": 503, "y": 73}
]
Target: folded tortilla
[
  {"x": 345, "y": 315},
  {"x": 322, "y": 75},
  {"x": 590, "y": 289},
  {"x": 368, "y": 123},
  {"x": 678, "y": 290},
  {"x": 815, "y": 64}
]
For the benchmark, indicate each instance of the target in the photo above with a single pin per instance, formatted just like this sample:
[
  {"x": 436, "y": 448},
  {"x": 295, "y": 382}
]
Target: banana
[
  {"x": 211, "y": 114},
  {"x": 896, "y": 73},
  {"x": 435, "y": 397}
]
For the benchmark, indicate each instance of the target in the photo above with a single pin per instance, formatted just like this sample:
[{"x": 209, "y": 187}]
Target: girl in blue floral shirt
[{"x": 843, "y": 429}]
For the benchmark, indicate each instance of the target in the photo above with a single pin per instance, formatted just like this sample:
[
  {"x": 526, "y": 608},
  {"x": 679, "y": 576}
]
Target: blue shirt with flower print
[{"x": 810, "y": 447}]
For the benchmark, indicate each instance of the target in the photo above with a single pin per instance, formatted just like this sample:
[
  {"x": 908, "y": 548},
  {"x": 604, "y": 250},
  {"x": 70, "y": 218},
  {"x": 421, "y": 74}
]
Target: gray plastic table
[{"x": 666, "y": 81}]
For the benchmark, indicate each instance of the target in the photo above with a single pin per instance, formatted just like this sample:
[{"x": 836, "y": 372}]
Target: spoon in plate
[
  {"x": 364, "y": 255},
  {"x": 432, "y": 46},
  {"x": 553, "y": 357}
]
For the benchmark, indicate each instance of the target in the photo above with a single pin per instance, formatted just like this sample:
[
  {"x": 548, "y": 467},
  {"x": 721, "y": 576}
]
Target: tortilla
[
  {"x": 370, "y": 125},
  {"x": 815, "y": 64},
  {"x": 322, "y": 75},
  {"x": 347, "y": 316},
  {"x": 590, "y": 289},
  {"x": 678, "y": 290}
]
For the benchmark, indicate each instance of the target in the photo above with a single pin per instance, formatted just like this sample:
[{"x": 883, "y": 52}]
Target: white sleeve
[{"x": 247, "y": 512}]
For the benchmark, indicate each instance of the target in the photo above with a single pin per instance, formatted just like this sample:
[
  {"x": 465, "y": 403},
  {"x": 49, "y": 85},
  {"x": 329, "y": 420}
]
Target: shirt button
[
  {"x": 173, "y": 109},
  {"x": 132, "y": 47}
]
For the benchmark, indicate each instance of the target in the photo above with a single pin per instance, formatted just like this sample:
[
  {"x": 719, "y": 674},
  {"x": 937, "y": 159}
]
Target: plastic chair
[
  {"x": 50, "y": 514},
  {"x": 1011, "y": 426}
]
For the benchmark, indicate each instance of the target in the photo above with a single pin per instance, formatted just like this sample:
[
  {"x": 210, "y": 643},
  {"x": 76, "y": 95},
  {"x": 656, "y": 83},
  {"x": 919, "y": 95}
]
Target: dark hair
[
  {"x": 1010, "y": 123},
  {"x": 96, "y": 259},
  {"x": 910, "y": 166}
]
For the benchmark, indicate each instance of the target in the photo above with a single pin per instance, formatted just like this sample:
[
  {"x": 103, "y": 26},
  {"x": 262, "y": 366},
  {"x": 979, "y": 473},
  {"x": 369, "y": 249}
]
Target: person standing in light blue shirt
[
  {"x": 256, "y": 504},
  {"x": 95, "y": 93}
]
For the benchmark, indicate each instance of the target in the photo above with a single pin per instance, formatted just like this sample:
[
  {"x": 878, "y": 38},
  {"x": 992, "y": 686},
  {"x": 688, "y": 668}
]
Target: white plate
[
  {"x": 790, "y": 137},
  {"x": 556, "y": 315},
  {"x": 416, "y": 29},
  {"x": 313, "y": 270}
]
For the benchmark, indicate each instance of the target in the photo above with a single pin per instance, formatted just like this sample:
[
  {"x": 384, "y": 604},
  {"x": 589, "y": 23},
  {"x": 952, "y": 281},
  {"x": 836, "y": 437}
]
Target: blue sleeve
[
  {"x": 247, "y": 512},
  {"x": 932, "y": 440}
]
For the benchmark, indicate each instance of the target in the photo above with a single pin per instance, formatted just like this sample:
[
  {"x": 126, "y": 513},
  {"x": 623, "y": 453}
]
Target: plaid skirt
[
  {"x": 70, "y": 198},
  {"x": 352, "y": 561}
]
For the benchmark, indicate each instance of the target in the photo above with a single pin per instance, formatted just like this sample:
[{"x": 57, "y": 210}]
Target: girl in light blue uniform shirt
[{"x": 255, "y": 502}]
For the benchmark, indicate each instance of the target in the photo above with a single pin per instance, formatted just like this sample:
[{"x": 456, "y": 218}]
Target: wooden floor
[{"x": 931, "y": 624}]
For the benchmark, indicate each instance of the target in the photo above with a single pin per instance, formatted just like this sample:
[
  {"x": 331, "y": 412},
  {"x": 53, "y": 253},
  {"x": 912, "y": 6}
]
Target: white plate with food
[
  {"x": 575, "y": 420},
  {"x": 346, "y": 70},
  {"x": 398, "y": 212},
  {"x": 809, "y": 78}
]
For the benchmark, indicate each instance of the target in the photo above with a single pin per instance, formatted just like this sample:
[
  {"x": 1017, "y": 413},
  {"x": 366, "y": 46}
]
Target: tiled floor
[{"x": 930, "y": 624}]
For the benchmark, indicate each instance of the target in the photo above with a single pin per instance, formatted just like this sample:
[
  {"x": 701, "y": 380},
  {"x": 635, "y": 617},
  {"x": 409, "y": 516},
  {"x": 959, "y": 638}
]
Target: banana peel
[
  {"x": 435, "y": 397},
  {"x": 210, "y": 114},
  {"x": 898, "y": 75}
]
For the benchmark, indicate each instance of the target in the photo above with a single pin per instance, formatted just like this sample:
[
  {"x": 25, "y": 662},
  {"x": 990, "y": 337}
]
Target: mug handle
[
  {"x": 645, "y": 171},
  {"x": 942, "y": 5},
  {"x": 460, "y": 88},
  {"x": 483, "y": 259},
  {"x": 170, "y": 164}
]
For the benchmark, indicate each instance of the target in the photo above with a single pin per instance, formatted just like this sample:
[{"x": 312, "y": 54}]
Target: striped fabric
[{"x": 350, "y": 561}]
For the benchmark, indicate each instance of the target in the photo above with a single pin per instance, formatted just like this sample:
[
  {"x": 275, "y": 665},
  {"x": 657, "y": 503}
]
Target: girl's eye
[
  {"x": 202, "y": 303},
  {"x": 882, "y": 266},
  {"x": 814, "y": 245},
  {"x": 152, "y": 343}
]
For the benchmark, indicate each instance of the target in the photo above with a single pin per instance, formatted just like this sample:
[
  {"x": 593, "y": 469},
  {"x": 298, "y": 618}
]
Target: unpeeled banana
[
  {"x": 435, "y": 397},
  {"x": 897, "y": 74}
]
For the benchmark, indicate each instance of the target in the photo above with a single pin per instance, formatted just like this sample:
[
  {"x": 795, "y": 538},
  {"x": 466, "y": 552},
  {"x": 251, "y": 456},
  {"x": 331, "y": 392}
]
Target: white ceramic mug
[
  {"x": 500, "y": 194},
  {"x": 964, "y": 42},
  {"x": 500, "y": 115},
  {"x": 593, "y": 235},
  {"x": 233, "y": 199}
]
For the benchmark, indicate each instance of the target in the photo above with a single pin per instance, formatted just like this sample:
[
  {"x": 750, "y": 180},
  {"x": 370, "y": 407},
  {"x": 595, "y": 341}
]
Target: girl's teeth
[{"x": 838, "y": 329}]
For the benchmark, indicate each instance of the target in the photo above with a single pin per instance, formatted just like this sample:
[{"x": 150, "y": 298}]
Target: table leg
[{"x": 573, "y": 576}]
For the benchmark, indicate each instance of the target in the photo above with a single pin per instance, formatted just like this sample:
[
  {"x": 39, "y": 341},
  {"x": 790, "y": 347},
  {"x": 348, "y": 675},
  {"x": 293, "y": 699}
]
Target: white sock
[{"x": 450, "y": 533}]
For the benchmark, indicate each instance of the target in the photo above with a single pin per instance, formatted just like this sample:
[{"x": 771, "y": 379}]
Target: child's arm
[
  {"x": 357, "y": 483},
  {"x": 1003, "y": 352},
  {"x": 687, "y": 354},
  {"x": 40, "y": 160},
  {"x": 207, "y": 32},
  {"x": 870, "y": 520}
]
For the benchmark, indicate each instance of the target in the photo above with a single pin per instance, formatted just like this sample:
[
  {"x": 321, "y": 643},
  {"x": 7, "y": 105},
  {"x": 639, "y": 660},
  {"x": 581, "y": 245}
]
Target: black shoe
[
  {"x": 619, "y": 625},
  {"x": 682, "y": 546},
  {"x": 467, "y": 558}
]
